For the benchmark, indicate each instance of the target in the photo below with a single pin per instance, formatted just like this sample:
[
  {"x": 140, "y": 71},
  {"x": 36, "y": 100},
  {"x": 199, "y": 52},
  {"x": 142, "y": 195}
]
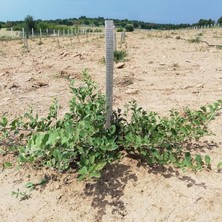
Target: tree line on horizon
[{"x": 99, "y": 22}]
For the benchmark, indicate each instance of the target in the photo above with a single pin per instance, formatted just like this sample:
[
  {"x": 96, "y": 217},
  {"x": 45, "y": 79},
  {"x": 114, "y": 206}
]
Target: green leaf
[
  {"x": 7, "y": 164},
  {"x": 188, "y": 160},
  {"x": 83, "y": 171},
  {"x": 165, "y": 156},
  {"x": 203, "y": 108},
  {"x": 156, "y": 154},
  {"x": 30, "y": 185},
  {"x": 207, "y": 160},
  {"x": 100, "y": 166},
  {"x": 92, "y": 159},
  {"x": 112, "y": 129},
  {"x": 138, "y": 141},
  {"x": 22, "y": 158},
  {"x": 57, "y": 155},
  {"x": 38, "y": 141},
  {"x": 219, "y": 165},
  {"x": 4, "y": 122},
  {"x": 52, "y": 138},
  {"x": 45, "y": 139},
  {"x": 95, "y": 175},
  {"x": 199, "y": 161},
  {"x": 172, "y": 158}
]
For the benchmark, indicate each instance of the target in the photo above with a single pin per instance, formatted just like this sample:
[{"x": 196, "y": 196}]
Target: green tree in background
[
  {"x": 219, "y": 21},
  {"x": 203, "y": 22},
  {"x": 29, "y": 24}
]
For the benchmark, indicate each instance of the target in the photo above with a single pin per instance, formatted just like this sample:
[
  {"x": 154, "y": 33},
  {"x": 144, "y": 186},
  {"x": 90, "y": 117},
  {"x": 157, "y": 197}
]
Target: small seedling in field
[
  {"x": 195, "y": 40},
  {"x": 32, "y": 185},
  {"x": 120, "y": 56},
  {"x": 21, "y": 195},
  {"x": 102, "y": 60},
  {"x": 219, "y": 167},
  {"x": 219, "y": 47}
]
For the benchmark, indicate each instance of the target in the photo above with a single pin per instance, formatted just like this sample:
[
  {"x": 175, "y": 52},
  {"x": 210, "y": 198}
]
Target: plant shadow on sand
[
  {"x": 109, "y": 189},
  {"x": 169, "y": 171}
]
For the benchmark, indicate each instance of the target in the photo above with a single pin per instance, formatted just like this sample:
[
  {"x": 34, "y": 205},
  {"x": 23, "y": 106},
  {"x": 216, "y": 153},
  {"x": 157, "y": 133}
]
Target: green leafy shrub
[
  {"x": 161, "y": 140},
  {"x": 120, "y": 55},
  {"x": 129, "y": 28},
  {"x": 120, "y": 30},
  {"x": 80, "y": 140},
  {"x": 98, "y": 30}
]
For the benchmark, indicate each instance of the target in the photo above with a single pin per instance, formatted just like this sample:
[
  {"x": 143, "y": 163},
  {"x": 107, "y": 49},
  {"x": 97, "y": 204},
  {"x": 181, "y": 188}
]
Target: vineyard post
[
  {"x": 54, "y": 34},
  {"x": 109, "y": 71},
  {"x": 77, "y": 34},
  {"x": 87, "y": 37},
  {"x": 32, "y": 33},
  {"x": 12, "y": 32},
  {"x": 63, "y": 33},
  {"x": 23, "y": 33},
  {"x": 58, "y": 37},
  {"x": 122, "y": 39},
  {"x": 23, "y": 37},
  {"x": 26, "y": 42},
  {"x": 40, "y": 34}
]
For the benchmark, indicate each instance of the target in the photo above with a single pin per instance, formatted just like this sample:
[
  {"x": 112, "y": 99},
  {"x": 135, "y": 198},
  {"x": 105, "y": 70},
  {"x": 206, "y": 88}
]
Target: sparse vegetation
[{"x": 20, "y": 195}]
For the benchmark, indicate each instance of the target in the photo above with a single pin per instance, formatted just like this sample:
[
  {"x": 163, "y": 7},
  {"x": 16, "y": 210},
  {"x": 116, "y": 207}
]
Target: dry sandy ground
[{"x": 162, "y": 72}]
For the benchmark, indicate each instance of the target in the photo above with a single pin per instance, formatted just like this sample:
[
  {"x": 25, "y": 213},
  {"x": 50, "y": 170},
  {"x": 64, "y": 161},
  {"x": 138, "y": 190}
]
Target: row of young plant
[{"x": 79, "y": 139}]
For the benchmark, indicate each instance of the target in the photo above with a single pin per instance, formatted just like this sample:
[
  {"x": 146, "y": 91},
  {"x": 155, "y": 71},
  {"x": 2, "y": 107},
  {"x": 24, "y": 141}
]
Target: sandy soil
[{"x": 162, "y": 72}]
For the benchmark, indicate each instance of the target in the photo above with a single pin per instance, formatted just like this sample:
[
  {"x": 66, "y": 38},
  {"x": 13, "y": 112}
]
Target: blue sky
[{"x": 159, "y": 11}]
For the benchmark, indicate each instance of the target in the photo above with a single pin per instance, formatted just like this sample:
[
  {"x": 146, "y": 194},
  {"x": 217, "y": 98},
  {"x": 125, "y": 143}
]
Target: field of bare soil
[{"x": 163, "y": 71}]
